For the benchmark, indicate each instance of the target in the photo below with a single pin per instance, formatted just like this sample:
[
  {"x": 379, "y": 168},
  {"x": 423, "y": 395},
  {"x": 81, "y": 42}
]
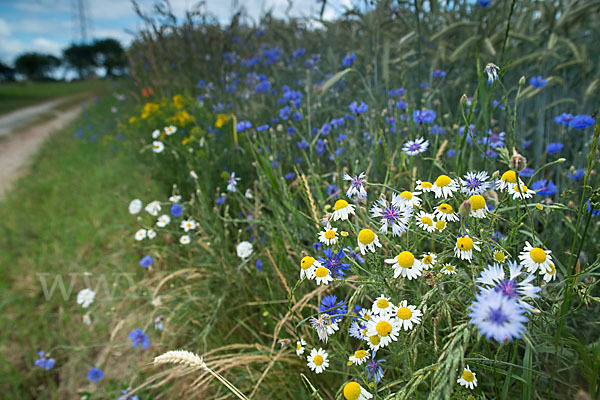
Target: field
[{"x": 401, "y": 203}]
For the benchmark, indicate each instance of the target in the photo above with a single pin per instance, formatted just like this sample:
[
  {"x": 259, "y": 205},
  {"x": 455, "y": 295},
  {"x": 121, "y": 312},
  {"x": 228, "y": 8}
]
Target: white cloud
[{"x": 4, "y": 28}]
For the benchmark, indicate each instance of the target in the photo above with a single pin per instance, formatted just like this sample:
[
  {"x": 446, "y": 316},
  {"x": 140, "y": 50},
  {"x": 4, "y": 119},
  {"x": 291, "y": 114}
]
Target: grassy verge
[
  {"x": 65, "y": 218},
  {"x": 21, "y": 94}
]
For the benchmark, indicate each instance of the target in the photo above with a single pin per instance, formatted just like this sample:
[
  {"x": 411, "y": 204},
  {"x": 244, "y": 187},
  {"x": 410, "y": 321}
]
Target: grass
[
  {"x": 66, "y": 217},
  {"x": 21, "y": 94}
]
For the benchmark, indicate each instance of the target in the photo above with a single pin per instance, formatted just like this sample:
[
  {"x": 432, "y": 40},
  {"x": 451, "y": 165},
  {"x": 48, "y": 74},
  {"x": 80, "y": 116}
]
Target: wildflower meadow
[{"x": 398, "y": 202}]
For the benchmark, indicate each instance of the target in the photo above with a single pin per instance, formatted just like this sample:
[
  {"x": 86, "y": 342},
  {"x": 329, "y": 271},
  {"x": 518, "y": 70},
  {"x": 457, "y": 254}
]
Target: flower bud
[
  {"x": 465, "y": 209},
  {"x": 522, "y": 81},
  {"x": 517, "y": 161},
  {"x": 463, "y": 99}
]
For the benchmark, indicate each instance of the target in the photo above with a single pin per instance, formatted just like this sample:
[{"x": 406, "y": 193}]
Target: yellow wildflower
[{"x": 178, "y": 101}]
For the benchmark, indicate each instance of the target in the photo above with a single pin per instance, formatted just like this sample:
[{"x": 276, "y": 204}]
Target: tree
[
  {"x": 7, "y": 74},
  {"x": 109, "y": 54},
  {"x": 36, "y": 66},
  {"x": 81, "y": 57}
]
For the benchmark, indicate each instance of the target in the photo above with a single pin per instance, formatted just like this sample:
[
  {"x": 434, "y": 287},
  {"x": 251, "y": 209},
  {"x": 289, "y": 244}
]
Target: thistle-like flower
[{"x": 492, "y": 72}]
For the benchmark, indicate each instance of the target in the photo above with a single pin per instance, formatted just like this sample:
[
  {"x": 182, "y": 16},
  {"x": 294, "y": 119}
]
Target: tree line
[{"x": 82, "y": 58}]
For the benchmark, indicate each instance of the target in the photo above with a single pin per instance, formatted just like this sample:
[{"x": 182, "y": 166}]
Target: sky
[{"x": 48, "y": 26}]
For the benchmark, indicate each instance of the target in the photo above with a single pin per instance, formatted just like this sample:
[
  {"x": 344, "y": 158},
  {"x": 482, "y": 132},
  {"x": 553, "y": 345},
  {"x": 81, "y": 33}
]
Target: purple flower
[
  {"x": 333, "y": 262},
  {"x": 258, "y": 265},
  {"x": 581, "y": 121},
  {"x": 43, "y": 362},
  {"x": 325, "y": 129},
  {"x": 284, "y": 113},
  {"x": 437, "y": 130},
  {"x": 262, "y": 128},
  {"x": 401, "y": 105},
  {"x": 544, "y": 187},
  {"x": 329, "y": 305},
  {"x": 563, "y": 119},
  {"x": 290, "y": 175},
  {"x": 176, "y": 210},
  {"x": 526, "y": 172},
  {"x": 357, "y": 109},
  {"x": 354, "y": 255},
  {"x": 139, "y": 338},
  {"x": 348, "y": 60},
  {"x": 424, "y": 117},
  {"x": 146, "y": 261},
  {"x": 303, "y": 144},
  {"x": 320, "y": 147},
  {"x": 537, "y": 82},
  {"x": 579, "y": 173},
  {"x": 95, "y": 374},
  {"x": 221, "y": 200},
  {"x": 554, "y": 148},
  {"x": 438, "y": 73},
  {"x": 333, "y": 190},
  {"x": 374, "y": 369}
]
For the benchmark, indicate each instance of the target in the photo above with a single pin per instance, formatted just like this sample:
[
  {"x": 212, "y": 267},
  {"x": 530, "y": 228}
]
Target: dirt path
[{"x": 20, "y": 139}]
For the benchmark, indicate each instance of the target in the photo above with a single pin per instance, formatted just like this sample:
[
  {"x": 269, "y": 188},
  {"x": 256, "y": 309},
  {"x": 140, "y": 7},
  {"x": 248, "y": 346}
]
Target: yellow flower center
[
  {"x": 427, "y": 259},
  {"x": 499, "y": 256},
  {"x": 440, "y": 225},
  {"x": 364, "y": 332},
  {"x": 321, "y": 272},
  {"x": 307, "y": 262},
  {"x": 404, "y": 313},
  {"x": 442, "y": 180},
  {"x": 406, "y": 259},
  {"x": 509, "y": 176},
  {"x": 538, "y": 255},
  {"x": 368, "y": 316},
  {"x": 477, "y": 202},
  {"x": 318, "y": 360},
  {"x": 468, "y": 375},
  {"x": 298, "y": 346},
  {"x": 521, "y": 188},
  {"x": 329, "y": 235},
  {"x": 344, "y": 234},
  {"x": 449, "y": 268},
  {"x": 539, "y": 206},
  {"x": 426, "y": 185},
  {"x": 551, "y": 270},
  {"x": 446, "y": 208},
  {"x": 384, "y": 328},
  {"x": 360, "y": 354},
  {"x": 375, "y": 340},
  {"x": 464, "y": 243},
  {"x": 352, "y": 391},
  {"x": 366, "y": 236},
  {"x": 383, "y": 303},
  {"x": 427, "y": 221},
  {"x": 340, "y": 204},
  {"x": 406, "y": 195}
]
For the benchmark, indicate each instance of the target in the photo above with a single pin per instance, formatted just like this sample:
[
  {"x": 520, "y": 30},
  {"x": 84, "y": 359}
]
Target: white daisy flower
[
  {"x": 549, "y": 274},
  {"x": 232, "y": 182},
  {"x": 323, "y": 276},
  {"x": 464, "y": 248},
  {"x": 317, "y": 360},
  {"x": 411, "y": 198},
  {"x": 300, "y": 347},
  {"x": 185, "y": 239},
  {"x": 353, "y": 391},
  {"x": 169, "y": 130},
  {"x": 405, "y": 265},
  {"x": 424, "y": 186},
  {"x": 444, "y": 187},
  {"x": 244, "y": 249},
  {"x": 308, "y": 265},
  {"x": 467, "y": 379},
  {"x": 328, "y": 236},
  {"x": 359, "y": 357},
  {"x": 357, "y": 186},
  {"x": 151, "y": 233},
  {"x": 85, "y": 297},
  {"x": 478, "y": 206},
  {"x": 355, "y": 330},
  {"x": 445, "y": 212},
  {"x": 163, "y": 221},
  {"x": 175, "y": 198},
  {"x": 155, "y": 134},
  {"x": 428, "y": 261},
  {"x": 157, "y": 146},
  {"x": 534, "y": 258},
  {"x": 407, "y": 315},
  {"x": 381, "y": 305},
  {"x": 342, "y": 210},
  {"x": 448, "y": 269},
  {"x": 135, "y": 206},
  {"x": 367, "y": 241},
  {"x": 153, "y": 208},
  {"x": 386, "y": 327},
  {"x": 188, "y": 225},
  {"x": 520, "y": 191},
  {"x": 414, "y": 147},
  {"x": 507, "y": 180},
  {"x": 395, "y": 213},
  {"x": 425, "y": 221},
  {"x": 140, "y": 235}
]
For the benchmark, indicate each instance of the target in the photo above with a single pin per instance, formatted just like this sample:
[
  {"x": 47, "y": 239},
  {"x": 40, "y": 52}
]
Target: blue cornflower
[
  {"x": 341, "y": 137},
  {"x": 544, "y": 187},
  {"x": 526, "y": 172},
  {"x": 201, "y": 84},
  {"x": 95, "y": 374},
  {"x": 401, "y": 105},
  {"x": 262, "y": 127},
  {"x": 258, "y": 265},
  {"x": 470, "y": 133},
  {"x": 243, "y": 125},
  {"x": 303, "y": 144},
  {"x": 491, "y": 69},
  {"x": 329, "y": 305},
  {"x": 317, "y": 246},
  {"x": 146, "y": 261},
  {"x": 563, "y": 119},
  {"x": 451, "y": 152},
  {"x": 497, "y": 316},
  {"x": 484, "y": 3},
  {"x": 527, "y": 143},
  {"x": 43, "y": 362},
  {"x": 579, "y": 174},
  {"x": 358, "y": 109},
  {"x": 581, "y": 121},
  {"x": 374, "y": 369},
  {"x": 494, "y": 139},
  {"x": 284, "y": 113},
  {"x": 333, "y": 191},
  {"x": 297, "y": 116},
  {"x": 325, "y": 129},
  {"x": 354, "y": 255},
  {"x": 437, "y": 130},
  {"x": 348, "y": 60},
  {"x": 299, "y": 52},
  {"x": 537, "y": 82},
  {"x": 139, "y": 338},
  {"x": 290, "y": 175},
  {"x": 491, "y": 153},
  {"x": 554, "y": 148},
  {"x": 221, "y": 200},
  {"x": 320, "y": 147},
  {"x": 595, "y": 212},
  {"x": 333, "y": 262},
  {"x": 475, "y": 183},
  {"x": 176, "y": 210},
  {"x": 424, "y": 117},
  {"x": 127, "y": 397},
  {"x": 438, "y": 73},
  {"x": 291, "y": 130}
]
